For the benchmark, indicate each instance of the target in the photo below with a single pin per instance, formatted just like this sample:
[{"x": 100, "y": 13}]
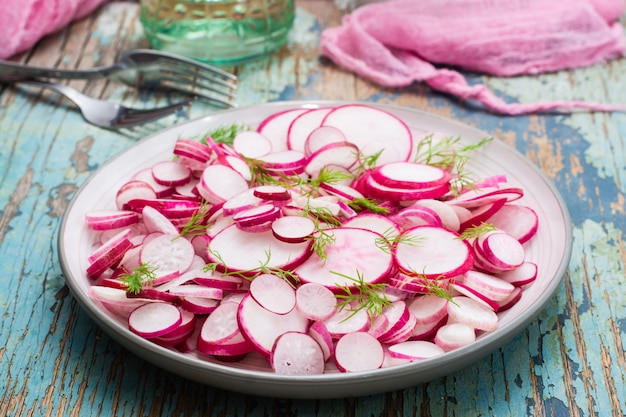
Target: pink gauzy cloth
[
  {"x": 24, "y": 22},
  {"x": 397, "y": 42}
]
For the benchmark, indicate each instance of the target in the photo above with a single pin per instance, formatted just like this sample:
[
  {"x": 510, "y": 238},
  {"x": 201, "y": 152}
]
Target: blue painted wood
[{"x": 570, "y": 361}]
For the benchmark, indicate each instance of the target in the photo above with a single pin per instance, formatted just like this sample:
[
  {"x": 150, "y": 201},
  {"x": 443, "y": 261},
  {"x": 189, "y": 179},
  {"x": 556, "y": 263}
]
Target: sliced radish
[
  {"x": 321, "y": 335},
  {"x": 454, "y": 335},
  {"x": 432, "y": 251},
  {"x": 478, "y": 197},
  {"x": 168, "y": 253},
  {"x": 145, "y": 175},
  {"x": 416, "y": 216},
  {"x": 219, "y": 183},
  {"x": 315, "y": 302},
  {"x": 199, "y": 305},
  {"x": 409, "y": 175},
  {"x": 273, "y": 293},
  {"x": 251, "y": 144},
  {"x": 108, "y": 254},
  {"x": 154, "y": 319},
  {"x": 111, "y": 219},
  {"x": 238, "y": 164},
  {"x": 348, "y": 319},
  {"x": 293, "y": 229},
  {"x": 415, "y": 350},
  {"x": 523, "y": 275},
  {"x": 428, "y": 309},
  {"x": 449, "y": 218},
  {"x": 351, "y": 252},
  {"x": 373, "y": 130},
  {"x": 322, "y": 136},
  {"x": 272, "y": 192},
  {"x": 261, "y": 249},
  {"x": 220, "y": 326},
  {"x": 171, "y": 173},
  {"x": 343, "y": 154},
  {"x": 301, "y": 127},
  {"x": 501, "y": 250},
  {"x": 519, "y": 221},
  {"x": 276, "y": 127},
  {"x": 297, "y": 353},
  {"x": 374, "y": 222},
  {"x": 376, "y": 190},
  {"x": 157, "y": 222},
  {"x": 133, "y": 190},
  {"x": 358, "y": 351},
  {"x": 466, "y": 310},
  {"x": 261, "y": 327},
  {"x": 490, "y": 286}
]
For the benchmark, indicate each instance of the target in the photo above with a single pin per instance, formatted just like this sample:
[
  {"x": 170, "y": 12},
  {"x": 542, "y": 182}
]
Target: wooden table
[{"x": 54, "y": 360}]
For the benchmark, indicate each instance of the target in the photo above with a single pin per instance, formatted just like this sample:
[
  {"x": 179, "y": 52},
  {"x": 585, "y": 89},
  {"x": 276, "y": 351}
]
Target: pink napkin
[
  {"x": 24, "y": 22},
  {"x": 397, "y": 42}
]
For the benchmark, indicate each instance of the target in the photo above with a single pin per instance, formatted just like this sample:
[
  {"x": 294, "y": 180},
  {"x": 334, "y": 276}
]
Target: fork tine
[
  {"x": 138, "y": 116},
  {"x": 197, "y": 73},
  {"x": 216, "y": 99}
]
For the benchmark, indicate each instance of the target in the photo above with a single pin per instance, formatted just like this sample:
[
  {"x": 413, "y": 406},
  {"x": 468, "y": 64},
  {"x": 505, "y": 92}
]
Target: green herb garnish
[
  {"x": 138, "y": 278},
  {"x": 362, "y": 295}
]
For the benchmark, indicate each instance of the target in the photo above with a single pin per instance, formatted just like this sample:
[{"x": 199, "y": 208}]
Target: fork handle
[{"x": 11, "y": 71}]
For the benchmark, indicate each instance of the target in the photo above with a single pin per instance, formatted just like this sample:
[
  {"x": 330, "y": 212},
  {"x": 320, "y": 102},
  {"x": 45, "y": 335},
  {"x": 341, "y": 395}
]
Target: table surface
[{"x": 570, "y": 360}]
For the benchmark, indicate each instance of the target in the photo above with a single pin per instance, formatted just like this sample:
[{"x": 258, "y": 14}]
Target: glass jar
[{"x": 217, "y": 31}]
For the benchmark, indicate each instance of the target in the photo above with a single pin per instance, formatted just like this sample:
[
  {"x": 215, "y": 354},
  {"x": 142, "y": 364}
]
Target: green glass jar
[{"x": 218, "y": 32}]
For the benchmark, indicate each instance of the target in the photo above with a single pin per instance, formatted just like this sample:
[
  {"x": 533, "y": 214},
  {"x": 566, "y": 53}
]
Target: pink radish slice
[
  {"x": 108, "y": 255},
  {"x": 480, "y": 196},
  {"x": 428, "y": 309},
  {"x": 261, "y": 327},
  {"x": 471, "y": 312},
  {"x": 220, "y": 183},
  {"x": 297, "y": 354},
  {"x": 229, "y": 350},
  {"x": 272, "y": 192},
  {"x": 133, "y": 190},
  {"x": 293, "y": 229},
  {"x": 482, "y": 214},
  {"x": 321, "y": 335},
  {"x": 475, "y": 295},
  {"x": 449, "y": 218},
  {"x": 519, "y": 221},
  {"x": 416, "y": 216},
  {"x": 398, "y": 314},
  {"x": 257, "y": 215},
  {"x": 511, "y": 300},
  {"x": 342, "y": 191},
  {"x": 348, "y": 319},
  {"x": 289, "y": 161},
  {"x": 351, "y": 251},
  {"x": 238, "y": 164},
  {"x": 192, "y": 290},
  {"x": 273, "y": 293},
  {"x": 111, "y": 219},
  {"x": 432, "y": 251},
  {"x": 199, "y": 305},
  {"x": 409, "y": 175},
  {"x": 373, "y": 130},
  {"x": 241, "y": 201},
  {"x": 192, "y": 149},
  {"x": 154, "y": 319},
  {"x": 427, "y": 331},
  {"x": 168, "y": 253},
  {"x": 170, "y": 173},
  {"x": 374, "y": 222},
  {"x": 154, "y": 295},
  {"x": 358, "y": 351},
  {"x": 260, "y": 249},
  {"x": 160, "y": 190},
  {"x": 502, "y": 250},
  {"x": 217, "y": 280},
  {"x": 301, "y": 127},
  {"x": 415, "y": 350},
  {"x": 322, "y": 136},
  {"x": 251, "y": 144},
  {"x": 455, "y": 335},
  {"x": 379, "y": 191},
  {"x": 492, "y": 287},
  {"x": 523, "y": 275},
  {"x": 402, "y": 334},
  {"x": 276, "y": 127},
  {"x": 220, "y": 326},
  {"x": 315, "y": 302},
  {"x": 157, "y": 222},
  {"x": 186, "y": 326}
]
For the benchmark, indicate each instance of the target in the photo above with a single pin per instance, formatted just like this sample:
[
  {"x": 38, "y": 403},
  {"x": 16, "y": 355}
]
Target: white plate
[{"x": 550, "y": 249}]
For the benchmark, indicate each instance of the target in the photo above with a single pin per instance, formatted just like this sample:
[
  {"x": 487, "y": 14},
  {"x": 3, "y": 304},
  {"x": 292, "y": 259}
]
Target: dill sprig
[
  {"x": 196, "y": 225},
  {"x": 252, "y": 273},
  {"x": 138, "y": 278},
  {"x": 364, "y": 203},
  {"x": 361, "y": 295},
  {"x": 477, "y": 231},
  {"x": 435, "y": 286},
  {"x": 367, "y": 162},
  {"x": 391, "y": 238},
  {"x": 225, "y": 133}
]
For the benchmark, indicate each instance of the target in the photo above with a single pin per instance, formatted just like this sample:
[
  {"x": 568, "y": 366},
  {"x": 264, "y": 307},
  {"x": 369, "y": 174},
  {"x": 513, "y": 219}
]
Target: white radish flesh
[
  {"x": 273, "y": 293},
  {"x": 251, "y": 144},
  {"x": 415, "y": 350},
  {"x": 358, "y": 351},
  {"x": 519, "y": 221},
  {"x": 315, "y": 302},
  {"x": 168, "y": 253},
  {"x": 301, "y": 127},
  {"x": 297, "y": 354},
  {"x": 220, "y": 183},
  {"x": 465, "y": 310},
  {"x": 293, "y": 229},
  {"x": 455, "y": 335},
  {"x": 321, "y": 137},
  {"x": 409, "y": 175},
  {"x": 276, "y": 127},
  {"x": 154, "y": 319},
  {"x": 170, "y": 173}
]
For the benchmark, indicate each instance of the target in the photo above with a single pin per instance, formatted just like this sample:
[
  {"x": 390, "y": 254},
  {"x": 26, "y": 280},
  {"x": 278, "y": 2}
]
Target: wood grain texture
[{"x": 54, "y": 360}]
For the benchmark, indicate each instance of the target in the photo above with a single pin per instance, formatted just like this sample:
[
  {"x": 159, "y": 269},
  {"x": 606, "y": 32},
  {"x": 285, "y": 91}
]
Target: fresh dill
[
  {"x": 361, "y": 295},
  {"x": 477, "y": 231},
  {"x": 360, "y": 204},
  {"x": 226, "y": 133},
  {"x": 196, "y": 225},
  {"x": 391, "y": 238},
  {"x": 138, "y": 278}
]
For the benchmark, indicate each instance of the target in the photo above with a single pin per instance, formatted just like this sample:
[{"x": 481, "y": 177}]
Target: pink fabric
[
  {"x": 398, "y": 42},
  {"x": 24, "y": 22}
]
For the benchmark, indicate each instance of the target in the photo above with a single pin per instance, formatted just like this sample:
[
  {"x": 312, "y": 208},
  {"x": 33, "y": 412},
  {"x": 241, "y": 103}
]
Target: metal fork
[
  {"x": 146, "y": 68},
  {"x": 105, "y": 113}
]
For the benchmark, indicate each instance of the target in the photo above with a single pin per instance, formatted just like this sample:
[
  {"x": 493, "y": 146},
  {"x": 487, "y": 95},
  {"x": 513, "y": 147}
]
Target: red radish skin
[
  {"x": 171, "y": 173},
  {"x": 519, "y": 221},
  {"x": 276, "y": 127},
  {"x": 523, "y": 275},
  {"x": 154, "y": 319},
  {"x": 358, "y": 351},
  {"x": 132, "y": 190},
  {"x": 302, "y": 126},
  {"x": 321, "y": 335},
  {"x": 297, "y": 354},
  {"x": 492, "y": 287},
  {"x": 220, "y": 183},
  {"x": 347, "y": 320},
  {"x": 293, "y": 229},
  {"x": 409, "y": 175},
  {"x": 321, "y": 137},
  {"x": 502, "y": 250}
]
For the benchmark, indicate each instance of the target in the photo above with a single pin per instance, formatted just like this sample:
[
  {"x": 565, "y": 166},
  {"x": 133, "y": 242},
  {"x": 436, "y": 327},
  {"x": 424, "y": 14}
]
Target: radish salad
[{"x": 325, "y": 239}]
